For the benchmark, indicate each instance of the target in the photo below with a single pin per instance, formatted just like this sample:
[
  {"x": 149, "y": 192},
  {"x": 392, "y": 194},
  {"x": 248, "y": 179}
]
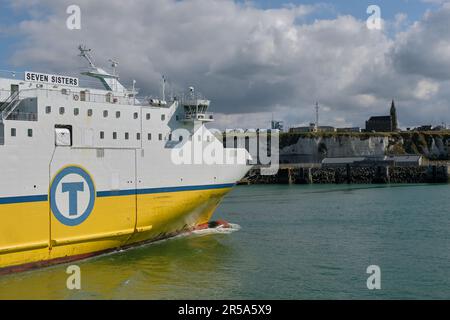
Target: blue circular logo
[{"x": 72, "y": 196}]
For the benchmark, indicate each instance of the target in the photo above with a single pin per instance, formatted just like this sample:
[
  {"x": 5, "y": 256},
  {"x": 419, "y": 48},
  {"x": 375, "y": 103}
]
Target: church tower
[{"x": 394, "y": 124}]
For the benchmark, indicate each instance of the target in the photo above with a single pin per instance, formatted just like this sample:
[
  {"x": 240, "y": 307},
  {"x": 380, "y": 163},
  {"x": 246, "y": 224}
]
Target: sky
[{"x": 255, "y": 60}]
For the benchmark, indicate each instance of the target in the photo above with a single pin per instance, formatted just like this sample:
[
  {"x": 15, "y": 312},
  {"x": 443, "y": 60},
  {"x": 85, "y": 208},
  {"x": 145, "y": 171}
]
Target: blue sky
[{"x": 357, "y": 8}]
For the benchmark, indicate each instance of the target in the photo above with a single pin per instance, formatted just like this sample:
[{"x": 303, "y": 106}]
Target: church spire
[{"x": 394, "y": 123}]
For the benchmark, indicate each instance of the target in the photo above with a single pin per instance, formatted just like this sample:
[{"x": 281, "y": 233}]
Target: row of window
[
  {"x": 115, "y": 136},
  {"x": 102, "y": 135},
  {"x": 76, "y": 112},
  {"x": 14, "y": 132},
  {"x": 138, "y": 136}
]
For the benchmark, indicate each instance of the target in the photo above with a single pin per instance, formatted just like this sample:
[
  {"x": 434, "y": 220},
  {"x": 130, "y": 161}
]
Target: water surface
[{"x": 295, "y": 242}]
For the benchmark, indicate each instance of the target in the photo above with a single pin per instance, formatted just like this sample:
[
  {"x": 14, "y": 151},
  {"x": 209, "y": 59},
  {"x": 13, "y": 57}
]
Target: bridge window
[
  {"x": 30, "y": 132},
  {"x": 13, "y": 132},
  {"x": 114, "y": 135},
  {"x": 170, "y": 137},
  {"x": 135, "y": 115},
  {"x": 102, "y": 134},
  {"x": 127, "y": 135},
  {"x": 163, "y": 117},
  {"x": 76, "y": 111},
  {"x": 105, "y": 113},
  {"x": 117, "y": 114},
  {"x": 148, "y": 116},
  {"x": 149, "y": 136},
  {"x": 89, "y": 112},
  {"x": 61, "y": 110},
  {"x": 160, "y": 136},
  {"x": 48, "y": 109},
  {"x": 138, "y": 136}
]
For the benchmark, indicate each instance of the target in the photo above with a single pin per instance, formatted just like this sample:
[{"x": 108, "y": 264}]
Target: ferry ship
[{"x": 91, "y": 170}]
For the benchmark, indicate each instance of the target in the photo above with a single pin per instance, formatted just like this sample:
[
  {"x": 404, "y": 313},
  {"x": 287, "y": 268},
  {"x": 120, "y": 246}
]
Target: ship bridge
[{"x": 196, "y": 108}]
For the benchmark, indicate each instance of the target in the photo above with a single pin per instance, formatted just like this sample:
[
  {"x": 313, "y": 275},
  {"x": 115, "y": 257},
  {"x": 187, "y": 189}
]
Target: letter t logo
[{"x": 73, "y": 188}]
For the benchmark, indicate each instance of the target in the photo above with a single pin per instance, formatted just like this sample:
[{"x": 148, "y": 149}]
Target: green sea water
[{"x": 294, "y": 242}]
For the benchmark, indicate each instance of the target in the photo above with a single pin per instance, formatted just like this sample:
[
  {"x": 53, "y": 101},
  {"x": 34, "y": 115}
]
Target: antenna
[
  {"x": 163, "y": 88},
  {"x": 85, "y": 53},
  {"x": 317, "y": 116},
  {"x": 114, "y": 65},
  {"x": 134, "y": 92}
]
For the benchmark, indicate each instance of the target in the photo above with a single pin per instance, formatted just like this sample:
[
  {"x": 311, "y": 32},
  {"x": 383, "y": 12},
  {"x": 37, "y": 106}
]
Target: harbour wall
[
  {"x": 314, "y": 147},
  {"x": 350, "y": 175}
]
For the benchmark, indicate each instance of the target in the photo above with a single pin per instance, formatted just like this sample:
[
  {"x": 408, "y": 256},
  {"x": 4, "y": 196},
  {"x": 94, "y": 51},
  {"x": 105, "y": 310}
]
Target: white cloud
[
  {"x": 426, "y": 89},
  {"x": 253, "y": 62}
]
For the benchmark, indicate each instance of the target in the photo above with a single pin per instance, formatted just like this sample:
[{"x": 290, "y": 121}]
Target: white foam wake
[{"x": 232, "y": 227}]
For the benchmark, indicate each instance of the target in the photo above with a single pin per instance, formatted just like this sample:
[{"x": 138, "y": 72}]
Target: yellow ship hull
[{"x": 31, "y": 236}]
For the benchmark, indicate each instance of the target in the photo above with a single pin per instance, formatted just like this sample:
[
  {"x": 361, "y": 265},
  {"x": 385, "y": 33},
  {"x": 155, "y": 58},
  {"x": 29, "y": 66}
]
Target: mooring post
[
  {"x": 309, "y": 179},
  {"x": 349, "y": 173}
]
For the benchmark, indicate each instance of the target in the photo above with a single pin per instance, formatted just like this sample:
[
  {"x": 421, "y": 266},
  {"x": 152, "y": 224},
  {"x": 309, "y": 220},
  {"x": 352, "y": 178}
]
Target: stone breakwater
[{"x": 349, "y": 174}]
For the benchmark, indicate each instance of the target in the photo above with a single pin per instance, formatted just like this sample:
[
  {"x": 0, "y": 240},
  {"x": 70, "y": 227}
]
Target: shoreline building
[
  {"x": 277, "y": 125},
  {"x": 383, "y": 123},
  {"x": 312, "y": 128}
]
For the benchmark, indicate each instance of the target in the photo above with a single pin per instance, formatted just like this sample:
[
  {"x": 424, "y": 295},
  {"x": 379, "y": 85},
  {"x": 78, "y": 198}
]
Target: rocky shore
[{"x": 349, "y": 174}]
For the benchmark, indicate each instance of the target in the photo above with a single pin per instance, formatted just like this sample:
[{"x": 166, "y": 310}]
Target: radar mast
[{"x": 109, "y": 81}]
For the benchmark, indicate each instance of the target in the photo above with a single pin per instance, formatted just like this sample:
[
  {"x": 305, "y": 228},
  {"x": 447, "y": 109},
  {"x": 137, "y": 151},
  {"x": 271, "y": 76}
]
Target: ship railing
[
  {"x": 70, "y": 94},
  {"x": 9, "y": 104},
  {"x": 22, "y": 116},
  {"x": 78, "y": 94},
  {"x": 6, "y": 98},
  {"x": 193, "y": 99},
  {"x": 4, "y": 95}
]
